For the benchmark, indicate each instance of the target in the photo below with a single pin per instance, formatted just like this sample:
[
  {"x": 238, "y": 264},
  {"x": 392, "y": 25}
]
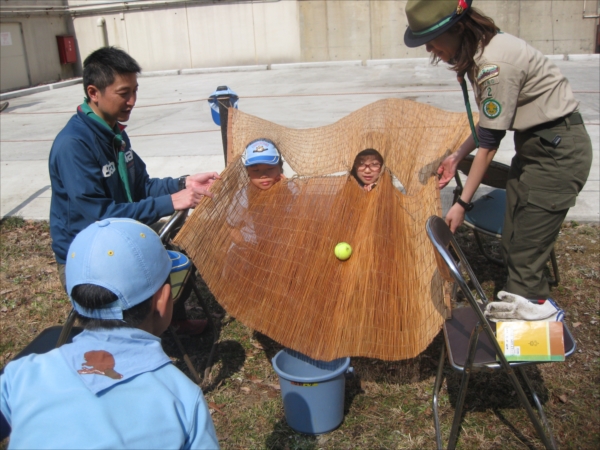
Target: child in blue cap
[
  {"x": 263, "y": 163},
  {"x": 264, "y": 167},
  {"x": 114, "y": 386}
]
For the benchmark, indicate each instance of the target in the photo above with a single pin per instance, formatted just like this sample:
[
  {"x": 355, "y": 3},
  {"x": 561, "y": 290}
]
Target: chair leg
[
  {"x": 66, "y": 329},
  {"x": 539, "y": 407},
  {"x": 436, "y": 390},
  {"x": 186, "y": 358},
  {"x": 548, "y": 443},
  {"x": 484, "y": 252},
  {"x": 213, "y": 327},
  {"x": 556, "y": 279},
  {"x": 462, "y": 392}
]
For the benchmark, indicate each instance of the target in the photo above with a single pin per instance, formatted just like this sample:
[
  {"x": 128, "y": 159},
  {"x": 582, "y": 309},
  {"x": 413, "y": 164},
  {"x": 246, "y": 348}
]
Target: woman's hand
[
  {"x": 447, "y": 170},
  {"x": 455, "y": 217}
]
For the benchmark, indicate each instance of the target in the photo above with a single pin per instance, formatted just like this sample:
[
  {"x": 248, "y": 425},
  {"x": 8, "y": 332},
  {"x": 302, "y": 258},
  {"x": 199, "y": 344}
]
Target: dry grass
[{"x": 388, "y": 404}]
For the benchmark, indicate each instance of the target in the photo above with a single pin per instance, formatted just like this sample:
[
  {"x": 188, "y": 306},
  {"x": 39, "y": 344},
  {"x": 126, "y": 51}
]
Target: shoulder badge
[
  {"x": 491, "y": 108},
  {"x": 487, "y": 72}
]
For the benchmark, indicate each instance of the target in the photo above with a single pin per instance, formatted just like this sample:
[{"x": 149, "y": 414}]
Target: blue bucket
[{"x": 312, "y": 391}]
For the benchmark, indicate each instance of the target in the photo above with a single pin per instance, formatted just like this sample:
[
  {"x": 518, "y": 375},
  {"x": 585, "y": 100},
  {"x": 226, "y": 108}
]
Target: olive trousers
[{"x": 543, "y": 183}]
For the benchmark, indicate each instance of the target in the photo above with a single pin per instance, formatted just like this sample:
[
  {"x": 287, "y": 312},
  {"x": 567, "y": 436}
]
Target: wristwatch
[
  {"x": 182, "y": 182},
  {"x": 466, "y": 206}
]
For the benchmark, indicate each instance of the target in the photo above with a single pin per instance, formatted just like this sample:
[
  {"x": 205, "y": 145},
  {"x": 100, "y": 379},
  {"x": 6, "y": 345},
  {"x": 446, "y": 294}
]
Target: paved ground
[{"x": 172, "y": 130}]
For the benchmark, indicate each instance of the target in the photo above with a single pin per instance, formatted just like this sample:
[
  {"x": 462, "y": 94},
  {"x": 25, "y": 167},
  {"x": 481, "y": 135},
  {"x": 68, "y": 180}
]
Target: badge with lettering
[
  {"x": 490, "y": 82},
  {"x": 491, "y": 108},
  {"x": 487, "y": 72},
  {"x": 108, "y": 169}
]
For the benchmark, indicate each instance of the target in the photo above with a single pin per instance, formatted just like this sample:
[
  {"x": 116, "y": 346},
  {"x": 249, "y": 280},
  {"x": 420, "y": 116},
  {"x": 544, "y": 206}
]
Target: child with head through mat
[
  {"x": 113, "y": 386},
  {"x": 264, "y": 166},
  {"x": 367, "y": 168}
]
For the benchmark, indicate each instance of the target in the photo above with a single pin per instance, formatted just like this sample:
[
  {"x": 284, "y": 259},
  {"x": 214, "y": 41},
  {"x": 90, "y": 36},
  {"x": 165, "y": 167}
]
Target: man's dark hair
[
  {"x": 100, "y": 67},
  {"x": 92, "y": 296}
]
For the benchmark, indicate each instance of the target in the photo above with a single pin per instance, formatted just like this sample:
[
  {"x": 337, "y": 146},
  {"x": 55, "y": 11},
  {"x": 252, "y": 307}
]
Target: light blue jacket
[{"x": 132, "y": 398}]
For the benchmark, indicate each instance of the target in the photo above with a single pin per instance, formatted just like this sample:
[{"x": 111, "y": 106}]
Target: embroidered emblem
[
  {"x": 487, "y": 72},
  {"x": 259, "y": 149},
  {"x": 128, "y": 156},
  {"x": 490, "y": 82},
  {"x": 108, "y": 169},
  {"x": 491, "y": 108},
  {"x": 99, "y": 362}
]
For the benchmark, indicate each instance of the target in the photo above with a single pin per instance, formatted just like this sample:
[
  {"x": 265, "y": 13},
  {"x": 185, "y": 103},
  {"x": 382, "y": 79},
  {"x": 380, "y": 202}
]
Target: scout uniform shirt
[{"x": 517, "y": 87}]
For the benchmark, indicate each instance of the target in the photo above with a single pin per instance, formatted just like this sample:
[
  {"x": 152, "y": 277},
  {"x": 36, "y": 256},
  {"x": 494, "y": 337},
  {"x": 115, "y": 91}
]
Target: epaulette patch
[
  {"x": 487, "y": 72},
  {"x": 491, "y": 108}
]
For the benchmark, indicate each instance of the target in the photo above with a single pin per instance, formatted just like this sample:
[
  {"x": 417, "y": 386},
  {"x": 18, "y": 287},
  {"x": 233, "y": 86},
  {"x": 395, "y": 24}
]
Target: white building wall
[
  {"x": 39, "y": 38},
  {"x": 180, "y": 34}
]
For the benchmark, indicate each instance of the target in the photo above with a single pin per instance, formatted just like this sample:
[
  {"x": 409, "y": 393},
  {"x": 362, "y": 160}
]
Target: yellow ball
[{"x": 343, "y": 251}]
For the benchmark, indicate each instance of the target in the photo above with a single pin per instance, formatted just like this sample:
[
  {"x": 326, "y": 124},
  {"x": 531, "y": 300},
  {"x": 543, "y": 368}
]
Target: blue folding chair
[{"x": 487, "y": 215}]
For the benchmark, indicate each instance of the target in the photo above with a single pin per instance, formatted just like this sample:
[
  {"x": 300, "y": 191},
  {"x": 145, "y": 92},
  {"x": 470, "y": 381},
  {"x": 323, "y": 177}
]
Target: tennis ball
[{"x": 343, "y": 251}]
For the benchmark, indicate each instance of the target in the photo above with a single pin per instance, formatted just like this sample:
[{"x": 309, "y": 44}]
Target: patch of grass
[{"x": 387, "y": 403}]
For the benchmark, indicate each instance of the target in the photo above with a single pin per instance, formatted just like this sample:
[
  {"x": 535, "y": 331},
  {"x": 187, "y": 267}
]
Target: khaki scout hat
[{"x": 428, "y": 19}]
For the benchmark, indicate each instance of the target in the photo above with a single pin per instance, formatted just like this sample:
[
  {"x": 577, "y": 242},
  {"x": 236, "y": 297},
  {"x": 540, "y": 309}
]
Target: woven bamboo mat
[{"x": 268, "y": 257}]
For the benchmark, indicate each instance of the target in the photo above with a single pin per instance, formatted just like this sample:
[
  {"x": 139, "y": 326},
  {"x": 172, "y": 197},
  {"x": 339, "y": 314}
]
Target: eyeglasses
[{"x": 375, "y": 167}]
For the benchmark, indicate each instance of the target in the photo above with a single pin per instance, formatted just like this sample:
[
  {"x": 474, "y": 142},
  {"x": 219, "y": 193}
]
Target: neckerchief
[
  {"x": 121, "y": 163},
  {"x": 104, "y": 358}
]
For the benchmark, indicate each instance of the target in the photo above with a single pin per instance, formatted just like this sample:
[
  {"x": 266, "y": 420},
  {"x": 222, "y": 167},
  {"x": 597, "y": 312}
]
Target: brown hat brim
[{"x": 417, "y": 38}]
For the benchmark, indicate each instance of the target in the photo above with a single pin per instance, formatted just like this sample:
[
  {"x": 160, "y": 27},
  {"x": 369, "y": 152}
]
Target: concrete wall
[
  {"x": 362, "y": 29},
  {"x": 39, "y": 36},
  {"x": 193, "y": 35},
  {"x": 180, "y": 34}
]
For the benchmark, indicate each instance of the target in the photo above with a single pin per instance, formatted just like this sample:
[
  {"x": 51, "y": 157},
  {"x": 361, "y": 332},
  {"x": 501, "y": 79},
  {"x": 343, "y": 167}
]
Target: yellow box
[{"x": 531, "y": 341}]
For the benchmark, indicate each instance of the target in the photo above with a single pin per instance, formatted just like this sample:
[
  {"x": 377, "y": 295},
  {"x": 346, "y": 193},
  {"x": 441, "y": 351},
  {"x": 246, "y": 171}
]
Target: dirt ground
[{"x": 387, "y": 404}]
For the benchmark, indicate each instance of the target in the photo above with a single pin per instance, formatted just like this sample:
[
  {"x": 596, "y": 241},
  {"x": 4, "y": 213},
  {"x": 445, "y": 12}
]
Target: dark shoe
[{"x": 190, "y": 327}]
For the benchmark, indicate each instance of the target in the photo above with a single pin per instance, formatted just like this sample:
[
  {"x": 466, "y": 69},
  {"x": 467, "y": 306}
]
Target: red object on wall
[{"x": 66, "y": 49}]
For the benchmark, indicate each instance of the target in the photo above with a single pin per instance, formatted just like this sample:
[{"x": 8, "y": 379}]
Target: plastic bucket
[{"x": 312, "y": 391}]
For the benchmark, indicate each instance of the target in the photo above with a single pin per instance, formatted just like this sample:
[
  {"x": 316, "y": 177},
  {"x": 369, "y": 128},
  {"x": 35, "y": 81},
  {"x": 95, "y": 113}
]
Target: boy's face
[
  {"x": 264, "y": 176},
  {"x": 368, "y": 169},
  {"x": 117, "y": 100}
]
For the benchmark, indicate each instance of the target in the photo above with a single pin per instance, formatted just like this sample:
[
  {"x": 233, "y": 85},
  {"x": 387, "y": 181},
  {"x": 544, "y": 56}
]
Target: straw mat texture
[{"x": 268, "y": 256}]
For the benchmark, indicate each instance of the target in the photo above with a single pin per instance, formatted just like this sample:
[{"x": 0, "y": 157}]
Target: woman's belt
[{"x": 545, "y": 132}]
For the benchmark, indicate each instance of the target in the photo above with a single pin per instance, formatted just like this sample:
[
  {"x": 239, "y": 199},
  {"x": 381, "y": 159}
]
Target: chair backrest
[
  {"x": 496, "y": 176},
  {"x": 445, "y": 246}
]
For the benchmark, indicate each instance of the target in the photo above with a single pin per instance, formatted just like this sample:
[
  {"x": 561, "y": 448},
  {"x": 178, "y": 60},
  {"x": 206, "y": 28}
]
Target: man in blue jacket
[{"x": 94, "y": 172}]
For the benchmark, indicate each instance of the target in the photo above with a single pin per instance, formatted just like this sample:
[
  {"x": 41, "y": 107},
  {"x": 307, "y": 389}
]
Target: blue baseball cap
[
  {"x": 124, "y": 256},
  {"x": 261, "y": 151}
]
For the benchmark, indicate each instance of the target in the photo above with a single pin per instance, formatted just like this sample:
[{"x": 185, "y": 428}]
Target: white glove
[{"x": 515, "y": 307}]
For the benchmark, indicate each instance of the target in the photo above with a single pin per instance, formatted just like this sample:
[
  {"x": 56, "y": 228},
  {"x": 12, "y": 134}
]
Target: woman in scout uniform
[{"x": 518, "y": 89}]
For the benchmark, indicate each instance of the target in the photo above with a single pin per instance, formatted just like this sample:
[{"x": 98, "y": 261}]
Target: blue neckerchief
[{"x": 104, "y": 358}]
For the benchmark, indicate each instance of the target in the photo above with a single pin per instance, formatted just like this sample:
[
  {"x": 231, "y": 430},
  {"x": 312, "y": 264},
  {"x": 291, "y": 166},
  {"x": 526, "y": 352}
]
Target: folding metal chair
[
  {"x": 470, "y": 341},
  {"x": 182, "y": 284},
  {"x": 487, "y": 215}
]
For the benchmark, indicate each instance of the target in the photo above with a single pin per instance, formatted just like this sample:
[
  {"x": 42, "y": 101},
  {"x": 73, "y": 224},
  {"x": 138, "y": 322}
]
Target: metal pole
[{"x": 224, "y": 102}]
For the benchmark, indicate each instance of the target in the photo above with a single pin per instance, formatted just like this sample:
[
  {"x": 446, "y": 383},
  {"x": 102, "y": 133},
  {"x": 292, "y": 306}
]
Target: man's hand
[
  {"x": 186, "y": 198},
  {"x": 455, "y": 217},
  {"x": 447, "y": 170},
  {"x": 201, "y": 182},
  {"x": 196, "y": 187}
]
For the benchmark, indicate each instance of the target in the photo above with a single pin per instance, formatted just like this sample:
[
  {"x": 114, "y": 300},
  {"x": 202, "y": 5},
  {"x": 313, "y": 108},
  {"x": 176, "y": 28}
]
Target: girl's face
[
  {"x": 264, "y": 176},
  {"x": 368, "y": 169},
  {"x": 444, "y": 46}
]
